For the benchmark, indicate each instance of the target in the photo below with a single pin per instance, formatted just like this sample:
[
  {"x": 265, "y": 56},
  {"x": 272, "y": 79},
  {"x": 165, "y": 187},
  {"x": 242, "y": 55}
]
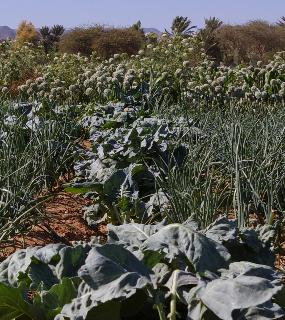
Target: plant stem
[
  {"x": 172, "y": 314},
  {"x": 160, "y": 311}
]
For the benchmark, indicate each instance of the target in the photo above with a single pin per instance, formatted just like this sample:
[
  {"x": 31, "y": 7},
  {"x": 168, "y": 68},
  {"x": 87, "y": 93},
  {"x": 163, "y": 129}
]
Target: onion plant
[
  {"x": 237, "y": 167},
  {"x": 33, "y": 154}
]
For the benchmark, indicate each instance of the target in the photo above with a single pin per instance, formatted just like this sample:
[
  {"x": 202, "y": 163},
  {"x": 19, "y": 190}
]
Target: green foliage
[
  {"x": 174, "y": 137},
  {"x": 105, "y": 42},
  {"x": 19, "y": 65},
  {"x": 237, "y": 164},
  {"x": 152, "y": 77},
  {"x": 208, "y": 36},
  {"x": 51, "y": 36},
  {"x": 181, "y": 26},
  {"x": 36, "y": 148},
  {"x": 152, "y": 266},
  {"x": 251, "y": 42},
  {"x": 119, "y": 170}
]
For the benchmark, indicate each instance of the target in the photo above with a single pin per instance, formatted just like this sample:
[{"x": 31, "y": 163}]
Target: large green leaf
[
  {"x": 40, "y": 274},
  {"x": 60, "y": 294},
  {"x": 132, "y": 235},
  {"x": 252, "y": 269},
  {"x": 179, "y": 243},
  {"x": 13, "y": 305},
  {"x": 46, "y": 265},
  {"x": 246, "y": 243},
  {"x": 244, "y": 291},
  {"x": 228, "y": 296},
  {"x": 71, "y": 259},
  {"x": 49, "y": 253},
  {"x": 8, "y": 313},
  {"x": 264, "y": 311},
  {"x": 110, "y": 262},
  {"x": 110, "y": 273},
  {"x": 111, "y": 186},
  {"x": 223, "y": 231},
  {"x": 13, "y": 265}
]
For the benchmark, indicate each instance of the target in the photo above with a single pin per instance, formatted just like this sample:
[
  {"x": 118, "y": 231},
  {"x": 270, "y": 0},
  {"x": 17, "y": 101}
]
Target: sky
[{"x": 152, "y": 13}]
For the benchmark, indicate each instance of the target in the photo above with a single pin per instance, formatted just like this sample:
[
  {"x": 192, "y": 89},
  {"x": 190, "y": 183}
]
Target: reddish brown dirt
[
  {"x": 86, "y": 144},
  {"x": 63, "y": 223},
  {"x": 63, "y": 220},
  {"x": 280, "y": 262}
]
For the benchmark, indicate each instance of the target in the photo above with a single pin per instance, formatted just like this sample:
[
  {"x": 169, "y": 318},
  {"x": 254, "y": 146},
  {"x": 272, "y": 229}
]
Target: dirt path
[{"x": 64, "y": 223}]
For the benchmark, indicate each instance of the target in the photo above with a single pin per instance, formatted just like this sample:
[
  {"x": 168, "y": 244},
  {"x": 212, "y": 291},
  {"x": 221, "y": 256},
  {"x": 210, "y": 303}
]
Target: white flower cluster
[{"x": 171, "y": 66}]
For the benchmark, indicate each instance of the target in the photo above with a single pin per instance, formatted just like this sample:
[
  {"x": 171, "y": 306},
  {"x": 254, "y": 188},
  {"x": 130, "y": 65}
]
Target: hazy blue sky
[{"x": 152, "y": 13}]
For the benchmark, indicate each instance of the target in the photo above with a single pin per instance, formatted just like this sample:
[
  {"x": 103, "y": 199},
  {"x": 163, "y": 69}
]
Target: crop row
[{"x": 169, "y": 71}]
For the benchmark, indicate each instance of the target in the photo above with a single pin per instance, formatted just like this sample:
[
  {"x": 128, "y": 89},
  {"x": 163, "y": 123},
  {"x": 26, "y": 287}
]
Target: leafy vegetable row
[{"x": 147, "y": 272}]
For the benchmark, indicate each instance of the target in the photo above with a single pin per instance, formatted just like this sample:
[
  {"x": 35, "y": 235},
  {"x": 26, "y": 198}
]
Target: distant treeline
[{"x": 229, "y": 44}]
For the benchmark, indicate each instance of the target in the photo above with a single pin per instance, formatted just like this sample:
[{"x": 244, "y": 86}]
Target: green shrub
[
  {"x": 113, "y": 41},
  {"x": 78, "y": 40},
  {"x": 105, "y": 41},
  {"x": 251, "y": 42}
]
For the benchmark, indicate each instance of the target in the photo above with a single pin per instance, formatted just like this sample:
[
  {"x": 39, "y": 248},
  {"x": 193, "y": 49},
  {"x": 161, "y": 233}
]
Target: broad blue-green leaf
[
  {"x": 113, "y": 183},
  {"x": 245, "y": 244},
  {"x": 36, "y": 263},
  {"x": 182, "y": 244},
  {"x": 264, "y": 311},
  {"x": 41, "y": 273},
  {"x": 252, "y": 269},
  {"x": 132, "y": 235},
  {"x": 223, "y": 231},
  {"x": 71, "y": 259},
  {"x": 111, "y": 272},
  {"x": 107, "y": 263},
  {"x": 244, "y": 291},
  {"x": 13, "y": 265},
  {"x": 226, "y": 296},
  {"x": 49, "y": 253}
]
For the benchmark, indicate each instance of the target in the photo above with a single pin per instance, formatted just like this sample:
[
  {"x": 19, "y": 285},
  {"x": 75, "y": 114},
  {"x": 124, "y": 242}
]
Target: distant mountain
[
  {"x": 152, "y": 30},
  {"x": 7, "y": 32}
]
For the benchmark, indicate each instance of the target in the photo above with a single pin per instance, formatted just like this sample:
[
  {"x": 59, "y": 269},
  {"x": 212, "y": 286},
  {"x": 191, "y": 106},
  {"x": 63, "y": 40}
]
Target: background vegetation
[{"x": 185, "y": 159}]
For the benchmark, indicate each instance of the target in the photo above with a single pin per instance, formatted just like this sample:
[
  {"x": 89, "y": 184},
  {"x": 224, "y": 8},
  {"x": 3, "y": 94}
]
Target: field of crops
[{"x": 184, "y": 171}]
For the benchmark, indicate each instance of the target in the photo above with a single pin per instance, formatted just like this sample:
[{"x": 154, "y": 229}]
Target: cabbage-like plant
[{"x": 144, "y": 272}]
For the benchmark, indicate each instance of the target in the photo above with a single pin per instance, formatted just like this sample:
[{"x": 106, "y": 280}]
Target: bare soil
[{"x": 64, "y": 223}]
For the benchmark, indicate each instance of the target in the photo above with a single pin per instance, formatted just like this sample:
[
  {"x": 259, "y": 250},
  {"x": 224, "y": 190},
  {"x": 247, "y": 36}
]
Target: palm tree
[
  {"x": 57, "y": 31},
  {"x": 213, "y": 23},
  {"x": 181, "y": 26},
  {"x": 44, "y": 31},
  {"x": 51, "y": 36},
  {"x": 46, "y": 38},
  {"x": 138, "y": 27},
  {"x": 208, "y": 36},
  {"x": 281, "y": 22}
]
